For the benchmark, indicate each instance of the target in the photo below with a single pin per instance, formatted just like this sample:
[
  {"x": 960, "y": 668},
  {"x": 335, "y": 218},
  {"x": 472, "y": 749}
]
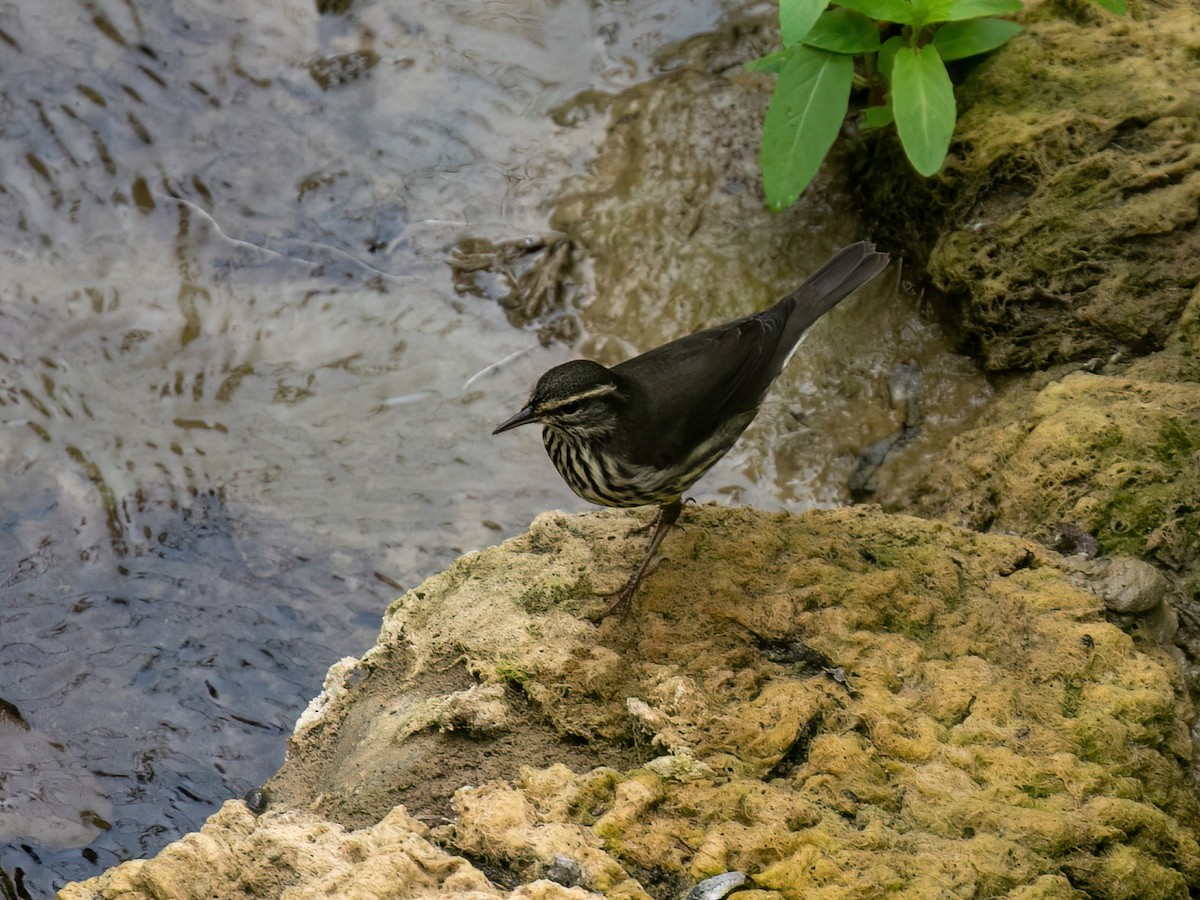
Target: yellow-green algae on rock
[
  {"x": 992, "y": 735},
  {"x": 1115, "y": 454},
  {"x": 295, "y": 854}
]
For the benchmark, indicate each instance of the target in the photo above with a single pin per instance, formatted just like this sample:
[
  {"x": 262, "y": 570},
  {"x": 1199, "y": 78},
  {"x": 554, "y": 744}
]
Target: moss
[
  {"x": 935, "y": 689},
  {"x": 1072, "y": 698},
  {"x": 1062, "y": 225},
  {"x": 1114, "y": 456},
  {"x": 1176, "y": 443},
  {"x": 541, "y": 598},
  {"x": 511, "y": 672},
  {"x": 1121, "y": 872},
  {"x": 1133, "y": 513},
  {"x": 1098, "y": 444}
]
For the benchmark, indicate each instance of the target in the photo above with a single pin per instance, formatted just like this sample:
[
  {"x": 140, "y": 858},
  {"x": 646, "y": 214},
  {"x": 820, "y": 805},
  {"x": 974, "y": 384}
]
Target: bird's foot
[
  {"x": 623, "y": 598},
  {"x": 642, "y": 529},
  {"x": 662, "y": 524},
  {"x": 621, "y": 602}
]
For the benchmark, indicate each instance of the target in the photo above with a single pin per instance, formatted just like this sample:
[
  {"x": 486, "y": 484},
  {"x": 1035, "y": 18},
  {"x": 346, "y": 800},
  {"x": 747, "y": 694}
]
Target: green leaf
[
  {"x": 771, "y": 63},
  {"x": 806, "y": 112},
  {"x": 930, "y": 11},
  {"x": 1114, "y": 6},
  {"x": 958, "y": 40},
  {"x": 844, "y": 31},
  {"x": 877, "y": 117},
  {"x": 887, "y": 55},
  {"x": 883, "y": 10},
  {"x": 923, "y": 102},
  {"x": 796, "y": 18}
]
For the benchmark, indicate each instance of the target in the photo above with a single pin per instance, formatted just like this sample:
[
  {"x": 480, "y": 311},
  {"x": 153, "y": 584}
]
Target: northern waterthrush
[{"x": 646, "y": 429}]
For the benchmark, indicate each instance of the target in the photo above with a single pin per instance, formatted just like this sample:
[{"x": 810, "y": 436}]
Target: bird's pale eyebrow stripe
[{"x": 601, "y": 391}]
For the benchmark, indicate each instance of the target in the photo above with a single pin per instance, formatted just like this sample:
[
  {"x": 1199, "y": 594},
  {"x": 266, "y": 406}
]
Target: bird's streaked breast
[{"x": 602, "y": 478}]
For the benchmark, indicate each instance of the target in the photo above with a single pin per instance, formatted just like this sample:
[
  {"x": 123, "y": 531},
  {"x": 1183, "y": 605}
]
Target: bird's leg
[
  {"x": 647, "y": 527},
  {"x": 667, "y": 515}
]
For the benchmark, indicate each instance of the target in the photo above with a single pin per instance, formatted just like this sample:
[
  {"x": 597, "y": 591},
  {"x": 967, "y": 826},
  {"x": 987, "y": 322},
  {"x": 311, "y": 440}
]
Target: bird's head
[{"x": 577, "y": 397}]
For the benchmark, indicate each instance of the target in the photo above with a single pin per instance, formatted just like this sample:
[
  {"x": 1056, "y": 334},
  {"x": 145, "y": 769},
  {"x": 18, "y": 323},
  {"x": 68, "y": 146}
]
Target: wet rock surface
[{"x": 992, "y": 733}]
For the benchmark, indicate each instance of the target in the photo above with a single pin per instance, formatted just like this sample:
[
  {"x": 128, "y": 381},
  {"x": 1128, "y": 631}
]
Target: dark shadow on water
[{"x": 152, "y": 685}]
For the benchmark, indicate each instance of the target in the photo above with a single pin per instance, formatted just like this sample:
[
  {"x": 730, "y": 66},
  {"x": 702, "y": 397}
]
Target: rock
[
  {"x": 1002, "y": 737},
  {"x": 565, "y": 871},
  {"x": 1118, "y": 456},
  {"x": 300, "y": 855},
  {"x": 1063, "y": 225},
  {"x": 717, "y": 887},
  {"x": 1161, "y": 625},
  {"x": 1071, "y": 540},
  {"x": 1127, "y": 586}
]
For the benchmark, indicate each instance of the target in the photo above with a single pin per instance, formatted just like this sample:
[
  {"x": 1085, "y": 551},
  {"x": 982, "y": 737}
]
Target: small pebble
[
  {"x": 1132, "y": 586},
  {"x": 1128, "y": 586},
  {"x": 565, "y": 871},
  {"x": 717, "y": 887},
  {"x": 256, "y": 800}
]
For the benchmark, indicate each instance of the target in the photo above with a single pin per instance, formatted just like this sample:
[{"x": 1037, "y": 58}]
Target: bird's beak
[{"x": 524, "y": 417}]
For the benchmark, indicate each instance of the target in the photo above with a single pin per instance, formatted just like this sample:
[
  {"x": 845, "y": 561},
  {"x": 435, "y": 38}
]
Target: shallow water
[
  {"x": 238, "y": 398},
  {"x": 232, "y": 393}
]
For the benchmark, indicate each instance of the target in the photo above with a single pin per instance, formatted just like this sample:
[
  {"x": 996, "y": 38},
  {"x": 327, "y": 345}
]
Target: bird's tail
[{"x": 849, "y": 269}]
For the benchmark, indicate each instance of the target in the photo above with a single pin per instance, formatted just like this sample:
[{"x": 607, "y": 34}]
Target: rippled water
[
  {"x": 231, "y": 392},
  {"x": 238, "y": 393}
]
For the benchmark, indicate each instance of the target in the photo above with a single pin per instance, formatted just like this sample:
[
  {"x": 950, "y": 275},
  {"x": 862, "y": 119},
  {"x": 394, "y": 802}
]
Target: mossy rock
[
  {"x": 1115, "y": 456},
  {"x": 1065, "y": 224},
  {"x": 843, "y": 703}
]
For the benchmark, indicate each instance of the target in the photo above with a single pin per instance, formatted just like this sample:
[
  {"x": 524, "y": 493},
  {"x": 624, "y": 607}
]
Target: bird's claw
[
  {"x": 623, "y": 596},
  {"x": 641, "y": 529},
  {"x": 622, "y": 601}
]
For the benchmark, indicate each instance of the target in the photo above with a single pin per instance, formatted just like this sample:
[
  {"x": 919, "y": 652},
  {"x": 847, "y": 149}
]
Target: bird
[{"x": 645, "y": 430}]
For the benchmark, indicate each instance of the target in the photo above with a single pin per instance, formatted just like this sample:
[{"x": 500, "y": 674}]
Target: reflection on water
[{"x": 231, "y": 391}]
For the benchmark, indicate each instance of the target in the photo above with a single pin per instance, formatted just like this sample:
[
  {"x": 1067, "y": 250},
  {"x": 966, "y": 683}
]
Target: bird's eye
[{"x": 571, "y": 408}]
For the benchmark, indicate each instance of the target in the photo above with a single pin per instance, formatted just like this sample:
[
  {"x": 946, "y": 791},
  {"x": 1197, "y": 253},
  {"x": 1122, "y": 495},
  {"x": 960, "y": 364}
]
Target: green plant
[{"x": 905, "y": 73}]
